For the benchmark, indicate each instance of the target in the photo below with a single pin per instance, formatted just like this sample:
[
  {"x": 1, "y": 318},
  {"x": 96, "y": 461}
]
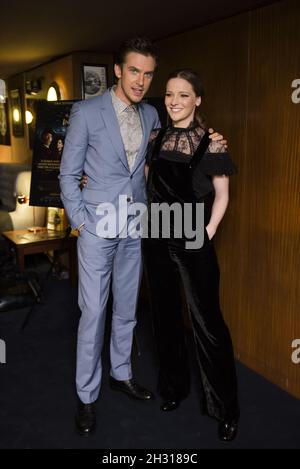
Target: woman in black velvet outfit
[{"x": 185, "y": 167}]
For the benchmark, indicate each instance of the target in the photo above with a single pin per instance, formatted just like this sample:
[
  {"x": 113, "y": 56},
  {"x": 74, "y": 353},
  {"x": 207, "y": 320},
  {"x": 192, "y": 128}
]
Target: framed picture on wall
[
  {"x": 17, "y": 113},
  {"x": 94, "y": 80},
  {"x": 4, "y": 125}
]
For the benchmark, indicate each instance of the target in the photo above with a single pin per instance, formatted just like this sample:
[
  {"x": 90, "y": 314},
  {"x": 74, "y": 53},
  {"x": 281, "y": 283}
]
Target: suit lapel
[
  {"x": 112, "y": 127},
  {"x": 144, "y": 139}
]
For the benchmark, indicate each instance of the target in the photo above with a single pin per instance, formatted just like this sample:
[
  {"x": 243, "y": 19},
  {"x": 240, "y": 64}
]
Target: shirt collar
[{"x": 118, "y": 104}]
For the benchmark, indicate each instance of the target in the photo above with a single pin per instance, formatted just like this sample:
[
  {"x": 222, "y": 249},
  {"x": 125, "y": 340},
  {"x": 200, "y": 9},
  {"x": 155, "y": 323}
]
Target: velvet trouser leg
[
  {"x": 166, "y": 304},
  {"x": 167, "y": 267}
]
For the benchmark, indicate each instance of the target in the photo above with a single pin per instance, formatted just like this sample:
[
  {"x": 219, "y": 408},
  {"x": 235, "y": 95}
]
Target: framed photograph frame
[
  {"x": 4, "y": 124},
  {"x": 94, "y": 80},
  {"x": 16, "y": 113}
]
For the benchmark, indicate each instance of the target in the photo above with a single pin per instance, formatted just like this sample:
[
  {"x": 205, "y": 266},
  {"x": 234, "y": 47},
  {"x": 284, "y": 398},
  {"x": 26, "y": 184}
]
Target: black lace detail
[
  {"x": 151, "y": 144},
  {"x": 216, "y": 147},
  {"x": 183, "y": 142},
  {"x": 177, "y": 140},
  {"x": 153, "y": 135}
]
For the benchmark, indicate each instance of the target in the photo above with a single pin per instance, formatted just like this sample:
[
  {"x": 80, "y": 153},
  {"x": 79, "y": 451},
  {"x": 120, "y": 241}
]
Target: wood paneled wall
[{"x": 248, "y": 63}]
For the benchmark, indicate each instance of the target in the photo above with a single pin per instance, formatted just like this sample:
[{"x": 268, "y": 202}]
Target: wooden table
[{"x": 25, "y": 242}]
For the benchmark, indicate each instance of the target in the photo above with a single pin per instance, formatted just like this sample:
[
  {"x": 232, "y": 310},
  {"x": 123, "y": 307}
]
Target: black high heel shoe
[
  {"x": 167, "y": 406},
  {"x": 227, "y": 430}
]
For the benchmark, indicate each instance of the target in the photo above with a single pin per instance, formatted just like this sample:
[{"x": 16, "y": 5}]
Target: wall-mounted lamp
[
  {"x": 28, "y": 117},
  {"x": 33, "y": 86},
  {"x": 22, "y": 199},
  {"x": 53, "y": 92},
  {"x": 16, "y": 115}
]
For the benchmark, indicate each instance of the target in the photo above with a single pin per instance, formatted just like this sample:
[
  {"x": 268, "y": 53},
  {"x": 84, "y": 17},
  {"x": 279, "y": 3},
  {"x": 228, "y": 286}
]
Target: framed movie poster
[
  {"x": 4, "y": 125},
  {"x": 94, "y": 80},
  {"x": 52, "y": 120},
  {"x": 17, "y": 113}
]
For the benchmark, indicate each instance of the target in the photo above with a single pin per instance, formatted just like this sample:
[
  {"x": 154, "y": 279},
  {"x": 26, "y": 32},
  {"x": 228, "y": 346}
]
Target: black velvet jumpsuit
[{"x": 181, "y": 165}]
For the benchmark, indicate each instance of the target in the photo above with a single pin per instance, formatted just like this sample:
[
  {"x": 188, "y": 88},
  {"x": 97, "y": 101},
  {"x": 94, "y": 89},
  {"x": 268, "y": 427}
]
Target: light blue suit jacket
[{"x": 94, "y": 146}]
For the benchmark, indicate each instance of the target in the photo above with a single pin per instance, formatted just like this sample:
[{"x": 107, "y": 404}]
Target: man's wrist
[{"x": 80, "y": 227}]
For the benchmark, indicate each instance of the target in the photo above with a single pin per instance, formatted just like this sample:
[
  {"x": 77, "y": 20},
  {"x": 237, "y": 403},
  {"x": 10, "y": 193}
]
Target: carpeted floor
[{"x": 37, "y": 394}]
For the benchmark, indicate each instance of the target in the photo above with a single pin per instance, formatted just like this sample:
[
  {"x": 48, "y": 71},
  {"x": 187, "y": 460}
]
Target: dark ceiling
[{"x": 33, "y": 32}]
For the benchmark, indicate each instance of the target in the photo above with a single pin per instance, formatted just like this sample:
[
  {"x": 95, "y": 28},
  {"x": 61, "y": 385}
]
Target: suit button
[{"x": 131, "y": 176}]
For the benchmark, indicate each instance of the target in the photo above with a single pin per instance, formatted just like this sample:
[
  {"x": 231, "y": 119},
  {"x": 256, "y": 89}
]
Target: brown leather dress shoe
[
  {"x": 85, "y": 419},
  {"x": 131, "y": 388}
]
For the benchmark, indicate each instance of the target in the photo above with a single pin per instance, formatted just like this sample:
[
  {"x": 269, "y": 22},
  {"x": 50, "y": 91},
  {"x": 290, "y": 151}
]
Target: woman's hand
[
  {"x": 83, "y": 181},
  {"x": 221, "y": 186},
  {"x": 211, "y": 231},
  {"x": 216, "y": 137}
]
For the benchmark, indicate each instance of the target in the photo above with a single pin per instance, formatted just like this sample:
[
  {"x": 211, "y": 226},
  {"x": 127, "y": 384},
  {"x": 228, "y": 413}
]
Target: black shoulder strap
[{"x": 201, "y": 149}]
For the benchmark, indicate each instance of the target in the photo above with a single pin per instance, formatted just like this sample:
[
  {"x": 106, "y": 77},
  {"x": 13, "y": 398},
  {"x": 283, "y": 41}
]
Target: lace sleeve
[
  {"x": 216, "y": 147},
  {"x": 150, "y": 147}
]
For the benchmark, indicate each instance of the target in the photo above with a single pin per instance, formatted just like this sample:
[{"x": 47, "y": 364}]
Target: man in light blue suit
[{"x": 107, "y": 140}]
